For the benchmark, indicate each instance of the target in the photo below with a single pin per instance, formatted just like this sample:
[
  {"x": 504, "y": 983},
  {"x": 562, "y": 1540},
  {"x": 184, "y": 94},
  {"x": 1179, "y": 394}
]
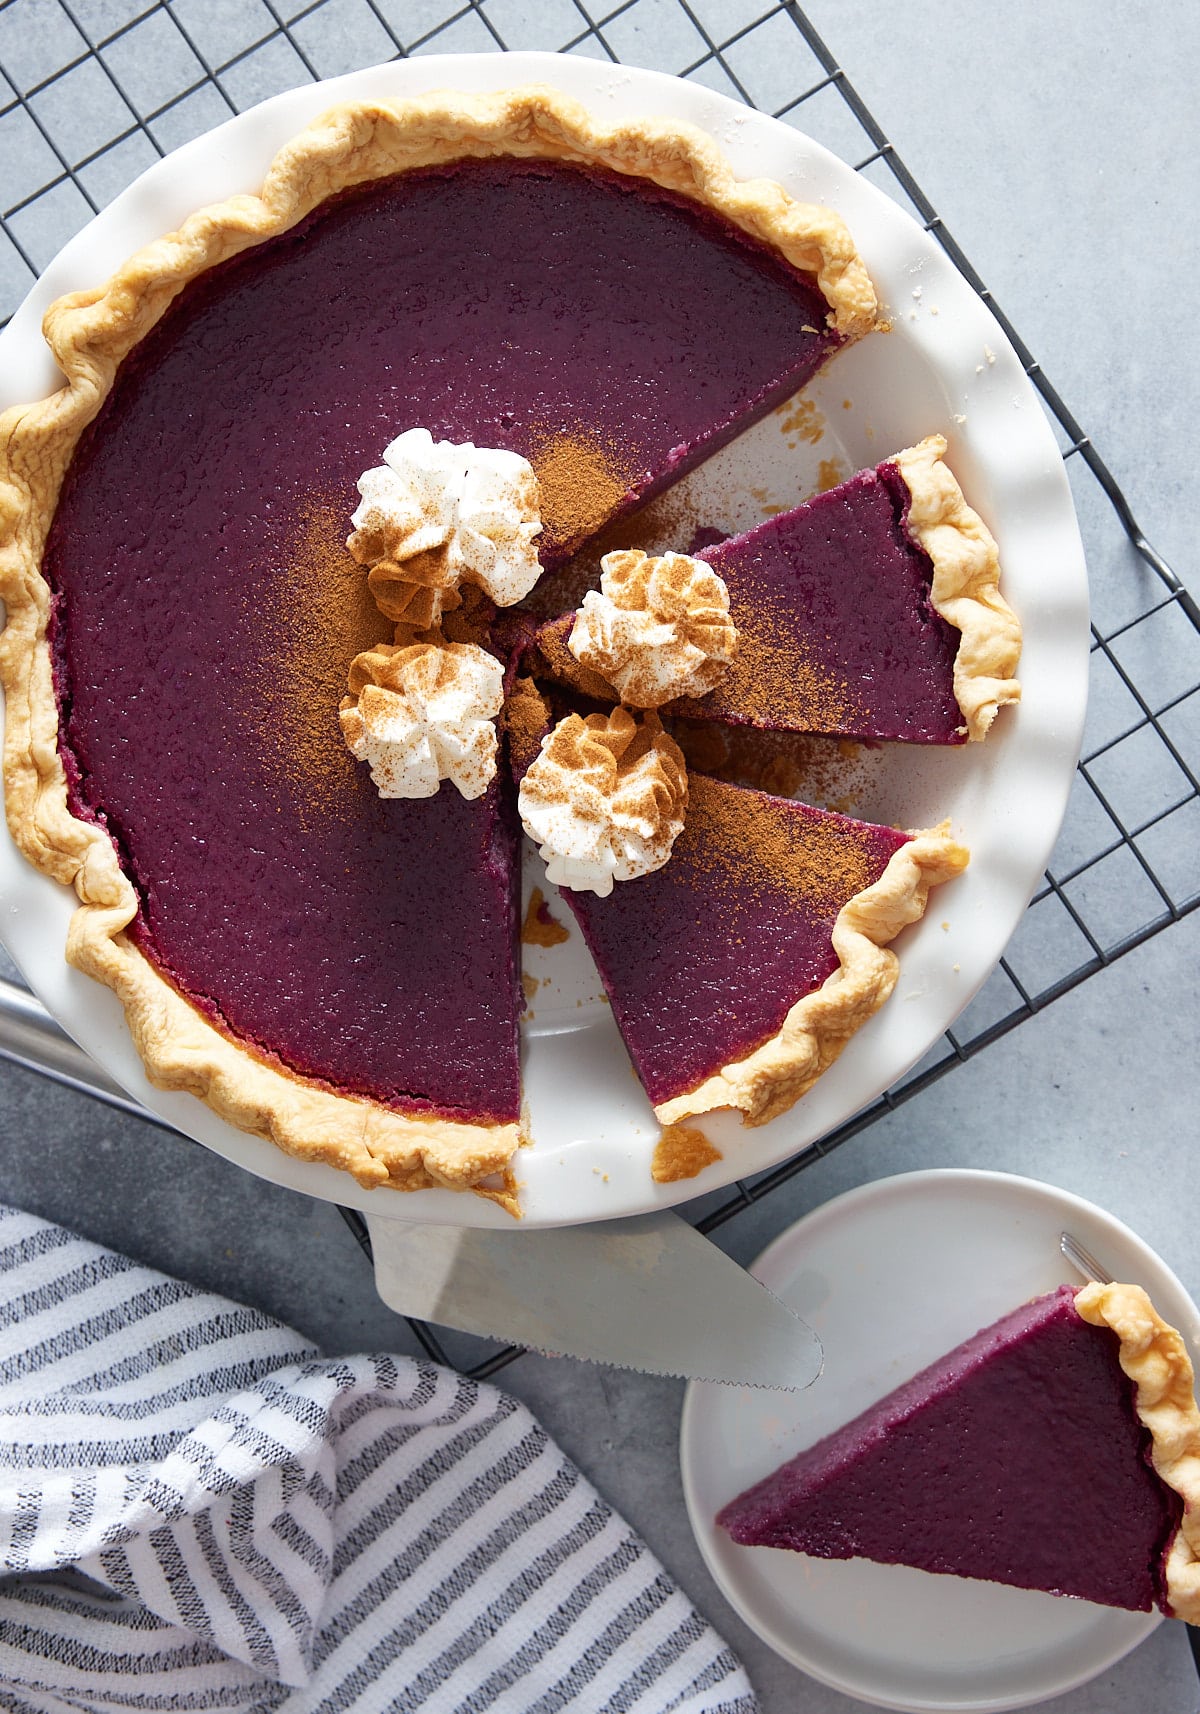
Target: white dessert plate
[
  {"x": 943, "y": 367},
  {"x": 893, "y": 1275}
]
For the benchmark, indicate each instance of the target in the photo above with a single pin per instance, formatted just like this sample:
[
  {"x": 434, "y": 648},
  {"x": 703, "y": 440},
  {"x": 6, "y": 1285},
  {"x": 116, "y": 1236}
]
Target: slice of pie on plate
[
  {"x": 333, "y": 972},
  {"x": 872, "y": 611},
  {"x": 1056, "y": 1450}
]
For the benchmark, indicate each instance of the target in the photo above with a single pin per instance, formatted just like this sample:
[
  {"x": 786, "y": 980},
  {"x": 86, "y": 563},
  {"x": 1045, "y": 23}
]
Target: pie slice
[
  {"x": 182, "y": 610},
  {"x": 873, "y": 611},
  {"x": 1057, "y": 1450},
  {"x": 739, "y": 970}
]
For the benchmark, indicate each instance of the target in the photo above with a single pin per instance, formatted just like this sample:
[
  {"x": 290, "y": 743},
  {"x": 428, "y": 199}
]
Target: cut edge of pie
[
  {"x": 1153, "y": 1355},
  {"x": 773, "y": 1078},
  {"x": 89, "y": 334},
  {"x": 181, "y": 1050},
  {"x": 966, "y": 583}
]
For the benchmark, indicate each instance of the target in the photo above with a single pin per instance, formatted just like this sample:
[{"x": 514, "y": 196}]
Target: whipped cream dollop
[
  {"x": 657, "y": 629},
  {"x": 422, "y": 714},
  {"x": 604, "y": 800},
  {"x": 436, "y": 514}
]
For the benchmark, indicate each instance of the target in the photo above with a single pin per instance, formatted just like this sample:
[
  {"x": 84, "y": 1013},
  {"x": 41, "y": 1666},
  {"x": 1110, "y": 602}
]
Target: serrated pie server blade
[{"x": 648, "y": 1292}]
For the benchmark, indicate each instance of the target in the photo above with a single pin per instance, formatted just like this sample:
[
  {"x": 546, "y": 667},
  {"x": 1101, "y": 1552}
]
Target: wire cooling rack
[{"x": 94, "y": 91}]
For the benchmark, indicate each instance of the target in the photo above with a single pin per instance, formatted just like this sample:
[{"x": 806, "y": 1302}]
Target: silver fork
[{"x": 1082, "y": 1260}]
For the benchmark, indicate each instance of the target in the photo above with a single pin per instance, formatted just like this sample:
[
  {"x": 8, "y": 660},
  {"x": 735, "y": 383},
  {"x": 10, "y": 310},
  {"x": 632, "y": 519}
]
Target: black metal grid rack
[{"x": 93, "y": 91}]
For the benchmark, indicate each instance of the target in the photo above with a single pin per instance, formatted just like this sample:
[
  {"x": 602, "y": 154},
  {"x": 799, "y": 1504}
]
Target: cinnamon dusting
[
  {"x": 582, "y": 479},
  {"x": 670, "y": 520},
  {"x": 560, "y": 665},
  {"x": 415, "y": 593},
  {"x": 469, "y": 622},
  {"x": 824, "y": 770},
  {"x": 325, "y": 616},
  {"x": 781, "y": 847},
  {"x": 774, "y": 678},
  {"x": 525, "y": 719},
  {"x": 681, "y": 1152}
]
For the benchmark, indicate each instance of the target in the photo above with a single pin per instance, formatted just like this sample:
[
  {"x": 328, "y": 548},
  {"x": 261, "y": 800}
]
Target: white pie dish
[{"x": 943, "y": 367}]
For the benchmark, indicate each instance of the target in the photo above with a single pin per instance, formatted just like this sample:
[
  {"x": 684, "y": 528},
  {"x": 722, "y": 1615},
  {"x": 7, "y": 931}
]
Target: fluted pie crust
[
  {"x": 774, "y": 1077},
  {"x": 1154, "y": 1356},
  {"x": 90, "y": 333},
  {"x": 966, "y": 584}
]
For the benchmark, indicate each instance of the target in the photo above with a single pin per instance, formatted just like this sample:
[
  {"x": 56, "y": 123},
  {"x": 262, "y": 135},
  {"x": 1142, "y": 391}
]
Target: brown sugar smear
[
  {"x": 541, "y": 927},
  {"x": 681, "y": 1152}
]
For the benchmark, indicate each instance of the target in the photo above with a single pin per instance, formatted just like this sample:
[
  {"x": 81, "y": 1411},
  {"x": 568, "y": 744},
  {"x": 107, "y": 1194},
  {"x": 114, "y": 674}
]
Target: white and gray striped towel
[{"x": 197, "y": 1511}]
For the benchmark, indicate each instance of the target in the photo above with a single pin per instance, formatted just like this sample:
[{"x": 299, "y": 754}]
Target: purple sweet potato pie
[
  {"x": 500, "y": 275},
  {"x": 704, "y": 959},
  {"x": 369, "y": 945},
  {"x": 1043, "y": 1452}
]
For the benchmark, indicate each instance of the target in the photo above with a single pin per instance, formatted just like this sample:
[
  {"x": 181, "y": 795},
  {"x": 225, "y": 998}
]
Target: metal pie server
[{"x": 648, "y": 1292}]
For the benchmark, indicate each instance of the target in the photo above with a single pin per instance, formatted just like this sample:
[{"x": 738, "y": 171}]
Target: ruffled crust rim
[
  {"x": 774, "y": 1077},
  {"x": 181, "y": 1050},
  {"x": 89, "y": 334},
  {"x": 1154, "y": 1356},
  {"x": 966, "y": 584}
]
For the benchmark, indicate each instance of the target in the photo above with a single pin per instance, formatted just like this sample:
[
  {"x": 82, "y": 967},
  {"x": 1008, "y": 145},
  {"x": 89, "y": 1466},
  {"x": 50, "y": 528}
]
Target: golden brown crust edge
[
  {"x": 89, "y": 334},
  {"x": 966, "y": 584},
  {"x": 774, "y": 1077},
  {"x": 181, "y": 1050},
  {"x": 1155, "y": 1358}
]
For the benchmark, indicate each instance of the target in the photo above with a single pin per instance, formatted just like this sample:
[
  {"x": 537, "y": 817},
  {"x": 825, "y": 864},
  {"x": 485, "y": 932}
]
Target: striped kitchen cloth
[{"x": 198, "y": 1511}]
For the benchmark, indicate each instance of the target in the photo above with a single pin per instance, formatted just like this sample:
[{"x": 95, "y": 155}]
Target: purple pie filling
[
  {"x": 836, "y": 630},
  {"x": 207, "y": 611},
  {"x": 703, "y": 959},
  {"x": 1018, "y": 1457},
  {"x": 369, "y": 945}
]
